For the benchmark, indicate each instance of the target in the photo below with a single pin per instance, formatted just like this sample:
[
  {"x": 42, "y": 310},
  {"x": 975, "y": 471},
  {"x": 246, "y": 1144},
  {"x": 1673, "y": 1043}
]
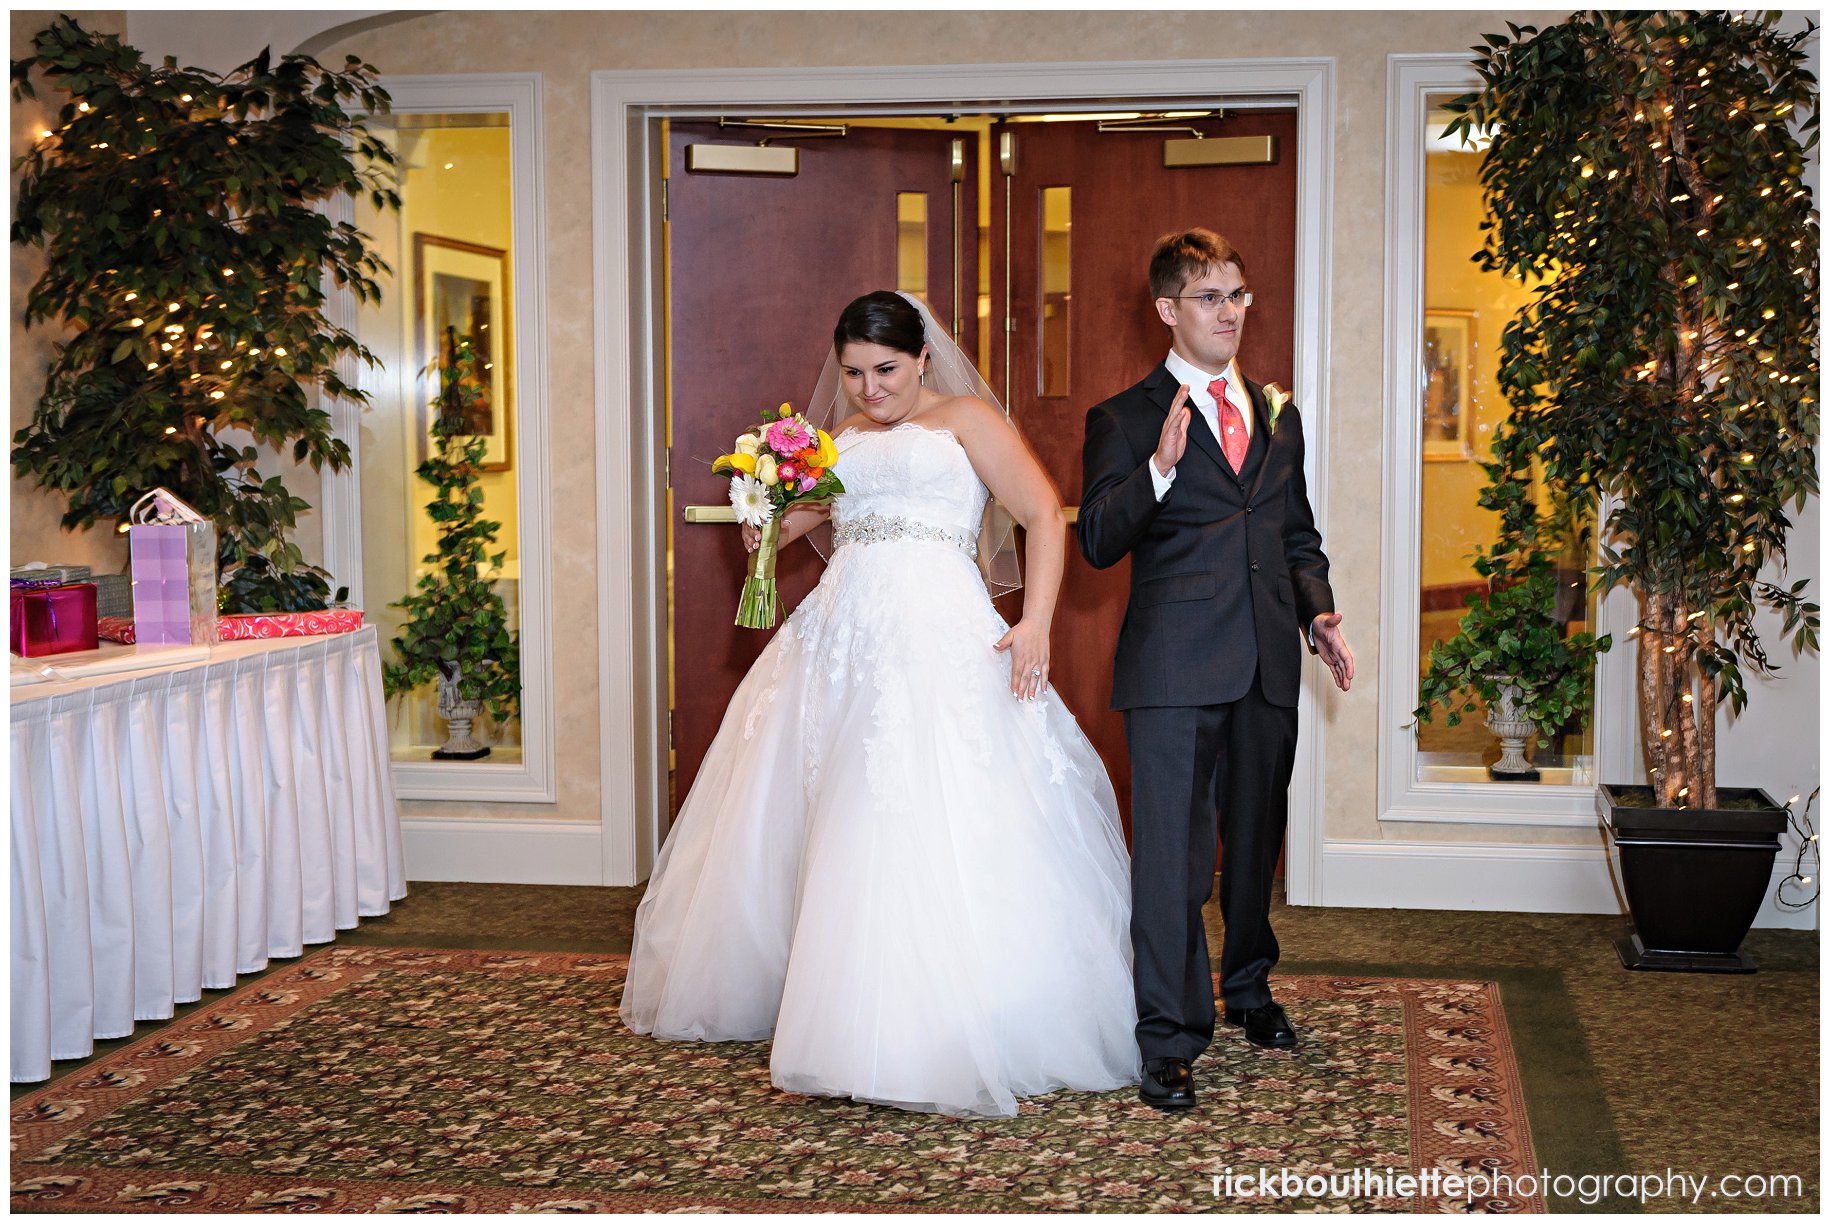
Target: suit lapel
[{"x": 1261, "y": 425}]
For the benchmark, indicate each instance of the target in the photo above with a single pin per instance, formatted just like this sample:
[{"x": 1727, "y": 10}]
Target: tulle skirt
[{"x": 914, "y": 881}]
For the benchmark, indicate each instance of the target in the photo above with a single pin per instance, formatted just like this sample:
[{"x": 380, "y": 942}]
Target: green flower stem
[{"x": 757, "y": 607}]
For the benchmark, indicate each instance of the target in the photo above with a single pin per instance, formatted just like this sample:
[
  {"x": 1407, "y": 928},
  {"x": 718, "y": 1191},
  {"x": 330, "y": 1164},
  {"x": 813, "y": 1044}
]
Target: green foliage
[
  {"x": 1510, "y": 634},
  {"x": 184, "y": 252},
  {"x": 455, "y": 622},
  {"x": 1646, "y": 172}
]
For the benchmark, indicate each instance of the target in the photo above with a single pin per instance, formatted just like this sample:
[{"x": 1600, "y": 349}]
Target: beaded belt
[{"x": 877, "y": 528}]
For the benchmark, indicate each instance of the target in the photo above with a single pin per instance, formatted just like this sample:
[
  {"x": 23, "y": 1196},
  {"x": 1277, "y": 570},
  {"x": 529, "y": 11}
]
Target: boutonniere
[{"x": 1276, "y": 397}]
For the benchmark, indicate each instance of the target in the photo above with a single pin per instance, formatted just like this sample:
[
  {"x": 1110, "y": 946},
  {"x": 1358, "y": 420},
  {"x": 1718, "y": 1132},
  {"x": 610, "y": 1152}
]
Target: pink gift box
[{"x": 53, "y": 619}]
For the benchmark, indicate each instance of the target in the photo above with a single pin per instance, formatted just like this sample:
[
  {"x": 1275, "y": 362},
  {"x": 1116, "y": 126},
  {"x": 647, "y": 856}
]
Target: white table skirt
[{"x": 175, "y": 827}]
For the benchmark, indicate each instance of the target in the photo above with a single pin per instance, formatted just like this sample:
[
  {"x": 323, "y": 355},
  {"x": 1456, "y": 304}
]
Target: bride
[{"x": 901, "y": 857}]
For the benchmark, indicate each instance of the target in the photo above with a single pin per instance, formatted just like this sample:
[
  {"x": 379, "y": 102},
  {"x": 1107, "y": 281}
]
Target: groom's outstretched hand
[{"x": 1331, "y": 644}]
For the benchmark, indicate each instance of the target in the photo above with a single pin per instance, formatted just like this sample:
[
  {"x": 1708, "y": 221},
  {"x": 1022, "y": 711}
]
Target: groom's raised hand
[{"x": 1174, "y": 439}]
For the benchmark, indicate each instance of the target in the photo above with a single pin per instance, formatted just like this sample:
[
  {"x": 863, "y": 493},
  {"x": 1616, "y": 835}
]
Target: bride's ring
[{"x": 1035, "y": 671}]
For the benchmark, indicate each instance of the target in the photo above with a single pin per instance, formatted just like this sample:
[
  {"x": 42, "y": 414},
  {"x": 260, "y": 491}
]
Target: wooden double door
[{"x": 759, "y": 268}]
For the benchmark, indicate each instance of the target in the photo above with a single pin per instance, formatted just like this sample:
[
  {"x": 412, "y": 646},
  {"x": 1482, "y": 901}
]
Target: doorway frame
[{"x": 630, "y": 361}]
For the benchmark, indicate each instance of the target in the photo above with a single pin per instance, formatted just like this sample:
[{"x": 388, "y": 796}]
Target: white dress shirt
[{"x": 1197, "y": 381}]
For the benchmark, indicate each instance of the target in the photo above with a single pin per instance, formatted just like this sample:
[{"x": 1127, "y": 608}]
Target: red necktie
[{"x": 1233, "y": 438}]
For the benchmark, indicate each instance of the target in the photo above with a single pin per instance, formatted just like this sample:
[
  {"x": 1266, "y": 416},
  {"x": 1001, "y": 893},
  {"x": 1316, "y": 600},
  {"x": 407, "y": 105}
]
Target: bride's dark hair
[{"x": 882, "y": 318}]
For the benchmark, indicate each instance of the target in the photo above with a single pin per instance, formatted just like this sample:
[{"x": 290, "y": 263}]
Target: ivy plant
[
  {"x": 457, "y": 626},
  {"x": 1510, "y": 634},
  {"x": 1645, "y": 172},
  {"x": 188, "y": 258}
]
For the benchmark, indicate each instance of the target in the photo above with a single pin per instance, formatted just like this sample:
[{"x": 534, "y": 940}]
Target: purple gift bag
[{"x": 173, "y": 549}]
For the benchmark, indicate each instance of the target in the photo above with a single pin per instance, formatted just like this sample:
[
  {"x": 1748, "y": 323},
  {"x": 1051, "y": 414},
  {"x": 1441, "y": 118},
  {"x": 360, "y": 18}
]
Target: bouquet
[{"x": 782, "y": 462}]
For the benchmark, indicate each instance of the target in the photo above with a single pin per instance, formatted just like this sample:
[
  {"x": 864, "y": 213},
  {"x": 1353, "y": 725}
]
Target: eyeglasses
[{"x": 1213, "y": 301}]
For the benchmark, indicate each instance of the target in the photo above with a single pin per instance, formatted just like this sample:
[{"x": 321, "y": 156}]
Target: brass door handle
[{"x": 725, "y": 514}]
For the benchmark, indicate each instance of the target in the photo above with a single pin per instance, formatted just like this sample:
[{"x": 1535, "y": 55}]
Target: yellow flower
[
  {"x": 785, "y": 411},
  {"x": 829, "y": 454},
  {"x": 765, "y": 470},
  {"x": 739, "y": 462},
  {"x": 748, "y": 444}
]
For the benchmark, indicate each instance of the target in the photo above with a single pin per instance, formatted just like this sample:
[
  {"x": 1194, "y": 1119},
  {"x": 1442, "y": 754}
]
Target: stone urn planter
[
  {"x": 1693, "y": 878},
  {"x": 1506, "y": 719},
  {"x": 459, "y": 713}
]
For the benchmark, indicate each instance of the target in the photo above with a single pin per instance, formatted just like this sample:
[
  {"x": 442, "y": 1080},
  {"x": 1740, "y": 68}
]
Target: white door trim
[{"x": 631, "y": 480}]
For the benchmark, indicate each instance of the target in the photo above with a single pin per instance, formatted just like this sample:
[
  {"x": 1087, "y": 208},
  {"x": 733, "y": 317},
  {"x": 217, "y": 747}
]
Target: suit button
[
  {"x": 1254, "y": 567},
  {"x": 1248, "y": 509}
]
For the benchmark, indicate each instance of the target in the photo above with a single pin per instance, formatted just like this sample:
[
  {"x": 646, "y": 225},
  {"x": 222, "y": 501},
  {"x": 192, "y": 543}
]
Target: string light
[{"x": 1807, "y": 841}]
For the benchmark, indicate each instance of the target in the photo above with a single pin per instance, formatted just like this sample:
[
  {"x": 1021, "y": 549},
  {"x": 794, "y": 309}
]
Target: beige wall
[
  {"x": 35, "y": 533},
  {"x": 566, "y": 47}
]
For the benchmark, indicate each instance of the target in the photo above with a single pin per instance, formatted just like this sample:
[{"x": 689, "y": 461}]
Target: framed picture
[
  {"x": 462, "y": 292},
  {"x": 1448, "y": 384}
]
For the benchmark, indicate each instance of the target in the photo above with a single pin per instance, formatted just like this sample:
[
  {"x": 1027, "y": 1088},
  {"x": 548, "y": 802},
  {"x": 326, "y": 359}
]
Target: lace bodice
[{"x": 908, "y": 472}]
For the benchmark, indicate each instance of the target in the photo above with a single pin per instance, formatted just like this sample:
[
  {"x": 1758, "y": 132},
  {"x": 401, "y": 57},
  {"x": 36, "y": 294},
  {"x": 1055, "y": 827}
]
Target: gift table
[{"x": 177, "y": 825}]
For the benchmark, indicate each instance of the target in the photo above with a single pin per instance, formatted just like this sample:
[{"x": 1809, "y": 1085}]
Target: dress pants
[{"x": 1186, "y": 762}]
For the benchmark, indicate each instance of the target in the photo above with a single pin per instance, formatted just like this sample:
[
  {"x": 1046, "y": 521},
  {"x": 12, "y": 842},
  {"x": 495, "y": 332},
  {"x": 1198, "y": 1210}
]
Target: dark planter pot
[{"x": 1693, "y": 878}]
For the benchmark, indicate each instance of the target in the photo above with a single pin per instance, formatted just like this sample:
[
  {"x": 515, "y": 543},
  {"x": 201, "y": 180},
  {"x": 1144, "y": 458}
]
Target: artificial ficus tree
[
  {"x": 1646, "y": 171},
  {"x": 187, "y": 253}
]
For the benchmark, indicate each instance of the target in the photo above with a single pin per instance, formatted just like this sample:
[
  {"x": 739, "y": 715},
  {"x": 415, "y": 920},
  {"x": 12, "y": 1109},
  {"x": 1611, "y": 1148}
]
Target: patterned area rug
[{"x": 391, "y": 1079}]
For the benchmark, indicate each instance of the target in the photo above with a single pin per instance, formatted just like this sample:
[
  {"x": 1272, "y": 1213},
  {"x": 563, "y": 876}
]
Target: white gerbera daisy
[{"x": 750, "y": 499}]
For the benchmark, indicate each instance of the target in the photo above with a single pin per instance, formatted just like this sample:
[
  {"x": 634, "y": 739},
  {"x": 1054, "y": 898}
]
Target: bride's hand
[
  {"x": 752, "y": 536},
  {"x": 1028, "y": 646}
]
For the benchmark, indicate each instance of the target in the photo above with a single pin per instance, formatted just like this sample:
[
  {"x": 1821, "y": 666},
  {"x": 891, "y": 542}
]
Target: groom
[{"x": 1196, "y": 477}]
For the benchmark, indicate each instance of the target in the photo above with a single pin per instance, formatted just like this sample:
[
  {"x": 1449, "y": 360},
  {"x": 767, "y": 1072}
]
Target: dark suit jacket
[{"x": 1227, "y": 571}]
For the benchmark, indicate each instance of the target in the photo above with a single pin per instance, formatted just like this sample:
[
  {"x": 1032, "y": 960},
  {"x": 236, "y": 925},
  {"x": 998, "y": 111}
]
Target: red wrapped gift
[
  {"x": 53, "y": 619},
  {"x": 288, "y": 624},
  {"x": 115, "y": 629},
  {"x": 255, "y": 625}
]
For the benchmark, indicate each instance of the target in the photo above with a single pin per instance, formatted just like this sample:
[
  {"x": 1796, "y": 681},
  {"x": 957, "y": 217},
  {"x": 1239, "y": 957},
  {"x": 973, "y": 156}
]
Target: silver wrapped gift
[
  {"x": 113, "y": 594},
  {"x": 38, "y": 571}
]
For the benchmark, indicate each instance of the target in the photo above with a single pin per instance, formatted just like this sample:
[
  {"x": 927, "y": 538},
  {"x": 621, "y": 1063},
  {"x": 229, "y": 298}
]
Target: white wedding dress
[{"x": 913, "y": 880}]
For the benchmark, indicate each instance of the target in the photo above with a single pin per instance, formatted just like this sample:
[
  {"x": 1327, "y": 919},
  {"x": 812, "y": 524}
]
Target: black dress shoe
[
  {"x": 1265, "y": 1026},
  {"x": 1168, "y": 1084}
]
